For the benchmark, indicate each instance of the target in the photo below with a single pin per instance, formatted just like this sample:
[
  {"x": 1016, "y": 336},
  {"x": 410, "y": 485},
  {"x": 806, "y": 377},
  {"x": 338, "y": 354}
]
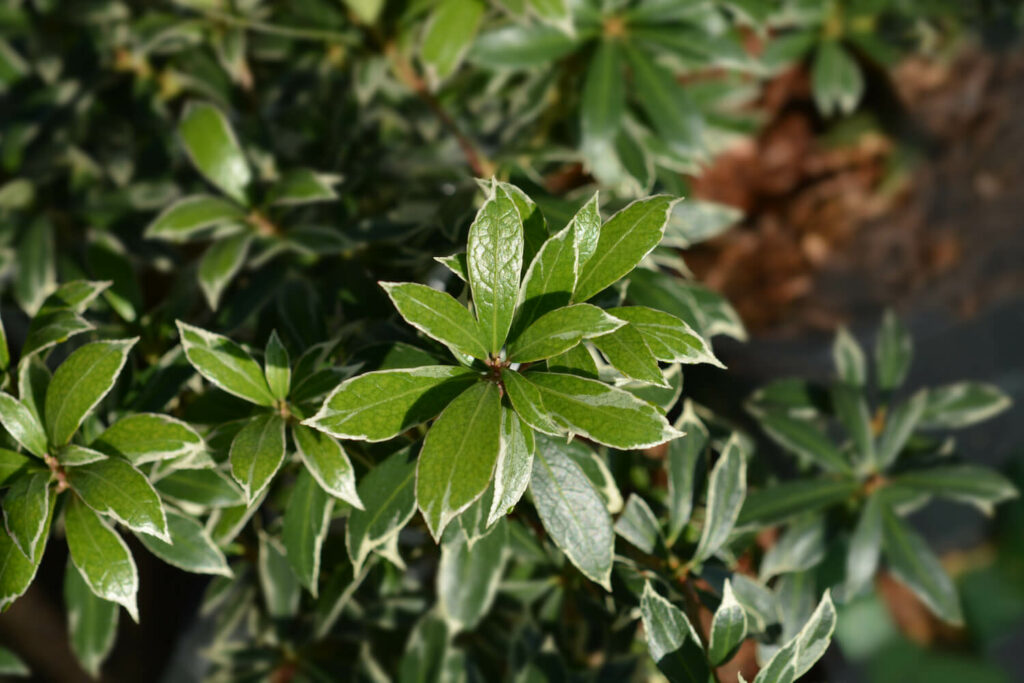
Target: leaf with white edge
[
  {"x": 92, "y": 622},
  {"x": 681, "y": 463},
  {"x": 669, "y": 338},
  {"x": 727, "y": 489},
  {"x": 389, "y": 492},
  {"x": 535, "y": 225},
  {"x": 781, "y": 668},
  {"x": 759, "y": 602},
  {"x": 439, "y": 316},
  {"x": 805, "y": 440},
  {"x": 225, "y": 364},
  {"x": 220, "y": 264},
  {"x": 624, "y": 241},
  {"x": 848, "y": 357},
  {"x": 982, "y": 487},
  {"x": 527, "y": 402},
  {"x": 816, "y": 635},
  {"x": 467, "y": 580},
  {"x": 605, "y": 414},
  {"x": 836, "y": 79},
  {"x": 586, "y": 225},
  {"x": 448, "y": 35},
  {"x": 214, "y": 150},
  {"x": 102, "y": 557},
  {"x": 572, "y": 511},
  {"x": 851, "y": 408},
  {"x": 638, "y": 525},
  {"x": 26, "y": 507},
  {"x": 779, "y": 502},
  {"x": 674, "y": 116},
  {"x": 378, "y": 406},
  {"x": 148, "y": 437},
  {"x": 49, "y": 329},
  {"x": 277, "y": 367},
  {"x": 33, "y": 380},
  {"x": 695, "y": 221},
  {"x": 328, "y": 463},
  {"x": 514, "y": 467},
  {"x": 21, "y": 424},
  {"x": 302, "y": 186},
  {"x": 914, "y": 565},
  {"x": 114, "y": 488},
  {"x": 627, "y": 352},
  {"x": 206, "y": 488},
  {"x": 14, "y": 465},
  {"x": 671, "y": 640},
  {"x": 596, "y": 469},
  {"x": 458, "y": 456},
  {"x": 473, "y": 520},
  {"x": 549, "y": 279},
  {"x": 458, "y": 264},
  {"x": 73, "y": 455},
  {"x": 190, "y": 547},
  {"x": 575, "y": 361},
  {"x": 894, "y": 349},
  {"x": 194, "y": 217},
  {"x": 558, "y": 13},
  {"x": 495, "y": 250},
  {"x": 281, "y": 589},
  {"x": 865, "y": 548},
  {"x": 257, "y": 452},
  {"x": 36, "y": 276},
  {"x": 963, "y": 404},
  {"x": 799, "y": 548},
  {"x": 80, "y": 383},
  {"x": 604, "y": 96},
  {"x": 16, "y": 571},
  {"x": 559, "y": 330},
  {"x": 306, "y": 520},
  {"x": 899, "y": 426},
  {"x": 728, "y": 627}
]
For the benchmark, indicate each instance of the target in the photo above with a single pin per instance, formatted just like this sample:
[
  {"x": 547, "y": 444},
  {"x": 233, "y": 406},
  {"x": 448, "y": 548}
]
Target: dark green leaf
[
  {"x": 101, "y": 556},
  {"x": 979, "y": 486},
  {"x": 559, "y": 330},
  {"x": 328, "y": 463},
  {"x": 220, "y": 264},
  {"x": 389, "y": 492},
  {"x": 225, "y": 364},
  {"x": 913, "y": 563},
  {"x": 780, "y": 501},
  {"x": 147, "y": 437},
  {"x": 627, "y": 352},
  {"x": 894, "y": 350},
  {"x": 190, "y": 547},
  {"x": 214, "y": 150},
  {"x": 962, "y": 404},
  {"x": 806, "y": 441},
  {"x": 674, "y": 645},
  {"x": 114, "y": 488},
  {"x": 92, "y": 622},
  {"x": 26, "y": 507},
  {"x": 306, "y": 520},
  {"x": 257, "y": 452},
  {"x": 467, "y": 580}
]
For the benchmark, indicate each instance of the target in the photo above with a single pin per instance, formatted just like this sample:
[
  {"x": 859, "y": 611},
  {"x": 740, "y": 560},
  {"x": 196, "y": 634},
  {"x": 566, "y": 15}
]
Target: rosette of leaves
[
  {"x": 234, "y": 222},
  {"x": 891, "y": 459}
]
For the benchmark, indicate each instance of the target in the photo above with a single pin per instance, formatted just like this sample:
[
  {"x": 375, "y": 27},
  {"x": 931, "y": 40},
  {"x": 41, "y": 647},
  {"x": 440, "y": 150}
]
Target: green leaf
[
  {"x": 914, "y": 565},
  {"x": 225, "y": 364},
  {"x": 278, "y": 367},
  {"x": 638, "y": 525},
  {"x": 596, "y": 469},
  {"x": 33, "y": 381},
  {"x": 962, "y": 404},
  {"x": 852, "y": 410},
  {"x": 728, "y": 627},
  {"x": 604, "y": 95},
  {"x": 459, "y": 454},
  {"x": 92, "y": 622},
  {"x": 549, "y": 280},
  {"x": 257, "y": 452},
  {"x": 220, "y": 264},
  {"x": 449, "y": 32},
  {"x": 836, "y": 80},
  {"x": 799, "y": 548},
  {"x": 670, "y": 339},
  {"x": 667, "y": 105},
  {"x": 147, "y": 437},
  {"x": 527, "y": 402},
  {"x": 16, "y": 571},
  {"x": 695, "y": 221},
  {"x": 727, "y": 489},
  {"x": 102, "y": 557},
  {"x": 816, "y": 635},
  {"x": 195, "y": 217},
  {"x": 575, "y": 361},
  {"x": 13, "y": 465},
  {"x": 26, "y": 508},
  {"x": 627, "y": 352},
  {"x": 190, "y": 547},
  {"x": 781, "y": 668},
  {"x": 673, "y": 644},
  {"x": 558, "y": 13},
  {"x": 206, "y": 488},
  {"x": 389, "y": 492},
  {"x": 514, "y": 467},
  {"x": 865, "y": 548},
  {"x": 74, "y": 455},
  {"x": 894, "y": 350},
  {"x": 281, "y": 589},
  {"x": 603, "y": 413},
  {"x": 366, "y": 10},
  {"x": 572, "y": 511},
  {"x": 439, "y": 316},
  {"x": 559, "y": 330},
  {"x": 681, "y": 463},
  {"x": 473, "y": 521},
  {"x": 302, "y": 186},
  {"x": 467, "y": 580},
  {"x": 899, "y": 426},
  {"x": 109, "y": 260},
  {"x": 55, "y": 327},
  {"x": 22, "y": 425},
  {"x": 380, "y": 405},
  {"x": 520, "y": 46},
  {"x": 306, "y": 521},
  {"x": 458, "y": 264},
  {"x": 781, "y": 501},
  {"x": 806, "y": 441},
  {"x": 495, "y": 252},
  {"x": 624, "y": 241},
  {"x": 328, "y": 463},
  {"x": 37, "y": 270},
  {"x": 5, "y": 352},
  {"x": 114, "y": 488},
  {"x": 979, "y": 486},
  {"x": 848, "y": 356},
  {"x": 10, "y": 663},
  {"x": 587, "y": 226},
  {"x": 214, "y": 150}
]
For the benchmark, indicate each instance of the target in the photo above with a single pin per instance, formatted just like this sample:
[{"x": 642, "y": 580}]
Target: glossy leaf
[
  {"x": 26, "y": 508},
  {"x": 190, "y": 547},
  {"x": 467, "y": 579},
  {"x": 495, "y": 252},
  {"x": 627, "y": 352},
  {"x": 727, "y": 489},
  {"x": 899, "y": 426},
  {"x": 681, "y": 463},
  {"x": 277, "y": 367},
  {"x": 328, "y": 463},
  {"x": 670, "y": 339},
  {"x": 389, "y": 492},
  {"x": 147, "y": 437},
  {"x": 21, "y": 424},
  {"x": 559, "y": 330},
  {"x": 848, "y": 357},
  {"x": 114, "y": 488},
  {"x": 865, "y": 547},
  {"x": 667, "y": 105},
  {"x": 214, "y": 150},
  {"x": 963, "y": 404},
  {"x": 520, "y": 46},
  {"x": 219, "y": 265},
  {"x": 728, "y": 627},
  {"x": 194, "y": 217},
  {"x": 92, "y": 622},
  {"x": 102, "y": 557},
  {"x": 225, "y": 364},
  {"x": 638, "y": 525},
  {"x": 306, "y": 520},
  {"x": 206, "y": 488},
  {"x": 527, "y": 401},
  {"x": 671, "y": 640},
  {"x": 549, "y": 280},
  {"x": 439, "y": 316},
  {"x": 604, "y": 95},
  {"x": 448, "y": 35},
  {"x": 257, "y": 452},
  {"x": 514, "y": 467}
]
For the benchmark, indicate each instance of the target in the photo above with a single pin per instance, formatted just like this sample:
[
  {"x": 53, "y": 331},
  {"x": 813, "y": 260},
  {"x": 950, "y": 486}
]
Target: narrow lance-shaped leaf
[
  {"x": 277, "y": 367},
  {"x": 962, "y": 404},
  {"x": 728, "y": 627},
  {"x": 439, "y": 316},
  {"x": 92, "y": 621},
  {"x": 220, "y": 263},
  {"x": 799, "y": 548},
  {"x": 495, "y": 252},
  {"x": 225, "y": 363},
  {"x": 257, "y": 452},
  {"x": 380, "y": 405},
  {"x": 604, "y": 94},
  {"x": 586, "y": 224},
  {"x": 194, "y": 217},
  {"x": 852, "y": 410},
  {"x": 778, "y": 502},
  {"x": 894, "y": 350},
  {"x": 914, "y": 564},
  {"x": 727, "y": 488},
  {"x": 102, "y": 557},
  {"x": 450, "y": 31},
  {"x": 805, "y": 440},
  {"x": 816, "y": 635},
  {"x": 559, "y": 330},
  {"x": 514, "y": 467},
  {"x": 190, "y": 547},
  {"x": 302, "y": 186},
  {"x": 668, "y": 106},
  {"x": 214, "y": 150},
  {"x": 683, "y": 456},
  {"x": 638, "y": 525},
  {"x": 306, "y": 520},
  {"x": 206, "y": 488},
  {"x": 328, "y": 463},
  {"x": 458, "y": 456},
  {"x": 549, "y": 279},
  {"x": 467, "y": 580},
  {"x": 114, "y": 488},
  {"x": 673, "y": 644},
  {"x": 627, "y": 352},
  {"x": 21, "y": 424},
  {"x": 281, "y": 589},
  {"x": 835, "y": 79},
  {"x": 669, "y": 338},
  {"x": 848, "y": 356},
  {"x": 572, "y": 511},
  {"x": 390, "y": 494},
  {"x": 899, "y": 426},
  {"x": 535, "y": 225},
  {"x": 865, "y": 547},
  {"x": 979, "y": 486},
  {"x": 80, "y": 383}
]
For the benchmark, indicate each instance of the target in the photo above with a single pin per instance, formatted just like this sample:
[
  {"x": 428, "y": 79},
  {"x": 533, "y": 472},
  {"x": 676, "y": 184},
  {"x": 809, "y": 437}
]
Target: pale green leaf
[
  {"x": 979, "y": 486},
  {"x": 527, "y": 402},
  {"x": 899, "y": 426},
  {"x": 147, "y": 437},
  {"x": 799, "y": 548},
  {"x": 328, "y": 463},
  {"x": 439, "y": 316},
  {"x": 805, "y": 440},
  {"x": 26, "y": 508},
  {"x": 848, "y": 357},
  {"x": 214, "y": 150},
  {"x": 558, "y": 13},
  {"x": 206, "y": 488},
  {"x": 627, "y": 352},
  {"x": 114, "y": 488},
  {"x": 277, "y": 367},
  {"x": 727, "y": 489},
  {"x": 514, "y": 467},
  {"x": 102, "y": 557},
  {"x": 281, "y": 589},
  {"x": 865, "y": 548},
  {"x": 257, "y": 452},
  {"x": 914, "y": 564},
  {"x": 559, "y": 330},
  {"x": 683, "y": 456},
  {"x": 894, "y": 350},
  {"x": 670, "y": 339},
  {"x": 695, "y": 221},
  {"x": 21, "y": 424},
  {"x": 836, "y": 80},
  {"x": 389, "y": 493},
  {"x": 962, "y": 404},
  {"x": 816, "y": 635},
  {"x": 728, "y": 627},
  {"x": 225, "y": 364},
  {"x": 195, "y": 217},
  {"x": 302, "y": 186},
  {"x": 220, "y": 264},
  {"x": 448, "y": 35},
  {"x": 638, "y": 525},
  {"x": 467, "y": 580},
  {"x": 495, "y": 252},
  {"x": 73, "y": 455},
  {"x": 671, "y": 640}
]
